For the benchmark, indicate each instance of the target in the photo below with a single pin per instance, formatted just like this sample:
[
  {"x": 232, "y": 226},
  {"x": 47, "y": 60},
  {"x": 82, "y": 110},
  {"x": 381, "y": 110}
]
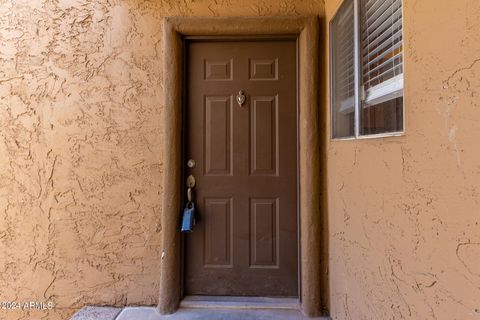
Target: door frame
[{"x": 313, "y": 254}]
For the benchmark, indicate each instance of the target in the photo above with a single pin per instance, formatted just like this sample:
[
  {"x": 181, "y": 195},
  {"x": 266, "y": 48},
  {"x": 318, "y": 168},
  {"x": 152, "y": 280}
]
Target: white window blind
[
  {"x": 343, "y": 89},
  {"x": 381, "y": 50},
  {"x": 344, "y": 56}
]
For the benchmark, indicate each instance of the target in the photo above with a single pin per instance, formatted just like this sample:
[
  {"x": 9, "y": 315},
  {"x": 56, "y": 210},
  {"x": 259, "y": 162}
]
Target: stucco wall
[
  {"x": 404, "y": 212},
  {"x": 80, "y": 147}
]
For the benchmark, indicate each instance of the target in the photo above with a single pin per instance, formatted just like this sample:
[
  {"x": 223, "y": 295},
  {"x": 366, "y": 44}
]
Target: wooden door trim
[{"x": 311, "y": 134}]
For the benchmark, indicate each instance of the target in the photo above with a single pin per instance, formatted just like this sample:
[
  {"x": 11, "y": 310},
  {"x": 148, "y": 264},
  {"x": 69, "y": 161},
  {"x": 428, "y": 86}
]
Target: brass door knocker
[{"x": 241, "y": 98}]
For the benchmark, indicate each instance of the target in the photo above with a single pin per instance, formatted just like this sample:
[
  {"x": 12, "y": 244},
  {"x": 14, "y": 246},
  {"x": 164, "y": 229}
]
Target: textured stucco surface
[
  {"x": 80, "y": 147},
  {"x": 404, "y": 212}
]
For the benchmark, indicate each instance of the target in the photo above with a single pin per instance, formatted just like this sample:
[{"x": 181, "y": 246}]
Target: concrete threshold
[{"x": 225, "y": 302}]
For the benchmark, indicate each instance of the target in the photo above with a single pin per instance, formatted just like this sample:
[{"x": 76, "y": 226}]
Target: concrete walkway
[
  {"x": 150, "y": 313},
  {"x": 96, "y": 313}
]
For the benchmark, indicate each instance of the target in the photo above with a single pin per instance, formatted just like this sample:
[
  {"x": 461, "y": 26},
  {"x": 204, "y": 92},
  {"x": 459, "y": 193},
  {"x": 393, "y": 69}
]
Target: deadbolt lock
[{"x": 191, "y": 163}]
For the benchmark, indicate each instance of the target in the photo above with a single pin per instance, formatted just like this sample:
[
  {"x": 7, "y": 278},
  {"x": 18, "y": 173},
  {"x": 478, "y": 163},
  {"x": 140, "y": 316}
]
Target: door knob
[{"x": 190, "y": 181}]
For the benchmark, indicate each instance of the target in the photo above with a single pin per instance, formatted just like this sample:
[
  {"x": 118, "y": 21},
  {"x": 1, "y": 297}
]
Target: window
[{"x": 366, "y": 52}]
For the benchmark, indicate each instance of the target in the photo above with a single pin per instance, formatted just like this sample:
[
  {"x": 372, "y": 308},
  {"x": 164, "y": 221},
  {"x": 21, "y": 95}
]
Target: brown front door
[{"x": 245, "y": 240}]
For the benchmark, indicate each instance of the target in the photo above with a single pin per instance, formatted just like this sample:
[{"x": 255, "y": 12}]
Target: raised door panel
[
  {"x": 263, "y": 69},
  {"x": 264, "y": 136},
  {"x": 218, "y": 70},
  {"x": 218, "y": 233},
  {"x": 264, "y": 233},
  {"x": 218, "y": 135}
]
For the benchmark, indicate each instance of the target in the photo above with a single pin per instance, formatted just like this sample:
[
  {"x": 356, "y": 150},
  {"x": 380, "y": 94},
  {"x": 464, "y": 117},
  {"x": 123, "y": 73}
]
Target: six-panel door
[{"x": 245, "y": 240}]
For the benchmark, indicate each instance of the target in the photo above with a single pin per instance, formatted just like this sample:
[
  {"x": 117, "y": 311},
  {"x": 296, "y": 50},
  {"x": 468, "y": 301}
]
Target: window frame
[{"x": 358, "y": 86}]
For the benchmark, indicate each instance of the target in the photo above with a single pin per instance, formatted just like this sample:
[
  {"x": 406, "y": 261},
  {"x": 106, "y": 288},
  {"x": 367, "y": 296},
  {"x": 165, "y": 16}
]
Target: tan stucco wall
[
  {"x": 404, "y": 212},
  {"x": 80, "y": 147}
]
